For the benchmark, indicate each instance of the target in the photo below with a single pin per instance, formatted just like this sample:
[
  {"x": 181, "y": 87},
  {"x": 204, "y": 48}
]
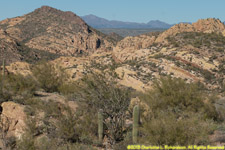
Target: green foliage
[
  {"x": 49, "y": 76},
  {"x": 61, "y": 139},
  {"x": 59, "y": 121},
  {"x": 123, "y": 144},
  {"x": 66, "y": 127},
  {"x": 86, "y": 126},
  {"x": 27, "y": 142},
  {"x": 17, "y": 87},
  {"x": 167, "y": 129},
  {"x": 179, "y": 114}
]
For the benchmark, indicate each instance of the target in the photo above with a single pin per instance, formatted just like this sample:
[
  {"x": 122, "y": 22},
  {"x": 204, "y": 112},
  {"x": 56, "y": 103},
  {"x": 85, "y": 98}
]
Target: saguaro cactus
[
  {"x": 3, "y": 73},
  {"x": 136, "y": 116},
  {"x": 3, "y": 67},
  {"x": 100, "y": 125}
]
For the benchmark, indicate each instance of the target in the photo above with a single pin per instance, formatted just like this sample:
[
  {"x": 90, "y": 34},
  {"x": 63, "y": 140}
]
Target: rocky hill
[
  {"x": 194, "y": 52},
  {"x": 203, "y": 25},
  {"x": 52, "y": 32}
]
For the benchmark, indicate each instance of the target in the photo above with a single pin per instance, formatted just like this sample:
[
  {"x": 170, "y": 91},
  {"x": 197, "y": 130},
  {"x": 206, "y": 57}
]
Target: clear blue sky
[{"x": 170, "y": 11}]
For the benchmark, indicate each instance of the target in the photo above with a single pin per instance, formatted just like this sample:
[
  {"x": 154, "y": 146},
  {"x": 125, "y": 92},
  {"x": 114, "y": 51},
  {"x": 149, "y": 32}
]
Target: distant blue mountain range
[{"x": 98, "y": 22}]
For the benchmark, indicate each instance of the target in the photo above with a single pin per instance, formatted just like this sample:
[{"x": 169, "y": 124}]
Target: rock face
[
  {"x": 8, "y": 48},
  {"x": 85, "y": 42},
  {"x": 203, "y": 25},
  {"x": 209, "y": 25},
  {"x": 130, "y": 47},
  {"x": 13, "y": 117},
  {"x": 53, "y": 32}
]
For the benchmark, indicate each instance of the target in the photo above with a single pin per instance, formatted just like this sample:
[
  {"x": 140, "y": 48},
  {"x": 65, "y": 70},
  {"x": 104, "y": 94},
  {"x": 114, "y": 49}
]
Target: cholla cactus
[{"x": 136, "y": 118}]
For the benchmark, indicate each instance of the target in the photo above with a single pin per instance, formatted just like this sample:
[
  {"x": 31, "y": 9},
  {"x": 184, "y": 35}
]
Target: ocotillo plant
[
  {"x": 100, "y": 125},
  {"x": 136, "y": 116}
]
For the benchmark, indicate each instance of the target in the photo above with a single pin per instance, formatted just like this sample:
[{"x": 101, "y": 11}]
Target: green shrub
[
  {"x": 27, "y": 142},
  {"x": 49, "y": 76},
  {"x": 179, "y": 113},
  {"x": 59, "y": 121},
  {"x": 167, "y": 129},
  {"x": 177, "y": 95}
]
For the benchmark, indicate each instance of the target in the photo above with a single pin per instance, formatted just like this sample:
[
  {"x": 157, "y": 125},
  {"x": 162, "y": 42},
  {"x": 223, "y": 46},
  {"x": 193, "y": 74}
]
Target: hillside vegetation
[{"x": 170, "y": 101}]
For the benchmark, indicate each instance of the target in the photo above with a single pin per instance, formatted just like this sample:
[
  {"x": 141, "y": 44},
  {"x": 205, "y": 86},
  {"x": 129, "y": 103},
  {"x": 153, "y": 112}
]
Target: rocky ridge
[{"x": 203, "y": 25}]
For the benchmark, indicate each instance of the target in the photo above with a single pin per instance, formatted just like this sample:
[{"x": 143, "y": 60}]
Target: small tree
[{"x": 100, "y": 91}]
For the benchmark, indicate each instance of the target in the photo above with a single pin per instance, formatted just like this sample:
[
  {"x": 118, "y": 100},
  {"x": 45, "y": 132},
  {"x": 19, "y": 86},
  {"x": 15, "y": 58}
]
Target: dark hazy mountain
[
  {"x": 158, "y": 24},
  {"x": 98, "y": 22}
]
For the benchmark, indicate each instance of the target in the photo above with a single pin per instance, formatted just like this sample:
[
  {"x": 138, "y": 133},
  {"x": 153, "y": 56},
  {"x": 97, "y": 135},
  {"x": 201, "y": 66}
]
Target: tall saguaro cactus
[
  {"x": 136, "y": 118},
  {"x": 3, "y": 72},
  {"x": 3, "y": 67},
  {"x": 100, "y": 125}
]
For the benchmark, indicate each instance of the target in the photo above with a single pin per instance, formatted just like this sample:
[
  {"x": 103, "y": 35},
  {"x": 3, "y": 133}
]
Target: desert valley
[{"x": 60, "y": 77}]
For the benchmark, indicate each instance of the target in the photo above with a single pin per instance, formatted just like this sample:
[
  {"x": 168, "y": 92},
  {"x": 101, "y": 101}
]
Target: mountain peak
[
  {"x": 155, "y": 21},
  {"x": 54, "y": 15},
  {"x": 46, "y": 8},
  {"x": 209, "y": 24},
  {"x": 91, "y": 15}
]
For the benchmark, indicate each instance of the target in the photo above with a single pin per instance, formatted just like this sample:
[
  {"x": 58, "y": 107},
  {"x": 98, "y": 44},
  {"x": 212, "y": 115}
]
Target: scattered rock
[{"x": 13, "y": 118}]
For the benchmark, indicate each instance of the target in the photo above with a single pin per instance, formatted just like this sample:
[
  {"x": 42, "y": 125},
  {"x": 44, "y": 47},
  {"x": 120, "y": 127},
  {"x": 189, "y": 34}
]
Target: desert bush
[
  {"x": 123, "y": 144},
  {"x": 27, "y": 140},
  {"x": 59, "y": 121},
  {"x": 179, "y": 113},
  {"x": 17, "y": 85},
  {"x": 49, "y": 76},
  {"x": 87, "y": 126},
  {"x": 58, "y": 125},
  {"x": 100, "y": 91},
  {"x": 167, "y": 129},
  {"x": 179, "y": 96}
]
